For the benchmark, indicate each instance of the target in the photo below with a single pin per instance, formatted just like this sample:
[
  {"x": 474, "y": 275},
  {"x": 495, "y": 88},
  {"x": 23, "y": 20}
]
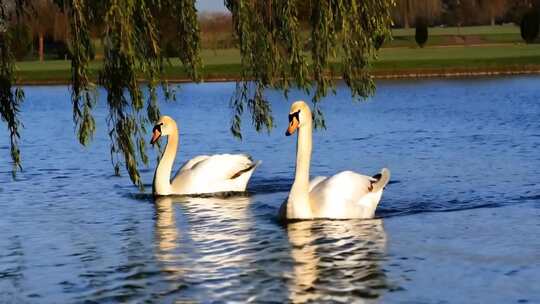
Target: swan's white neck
[
  {"x": 298, "y": 203},
  {"x": 162, "y": 177}
]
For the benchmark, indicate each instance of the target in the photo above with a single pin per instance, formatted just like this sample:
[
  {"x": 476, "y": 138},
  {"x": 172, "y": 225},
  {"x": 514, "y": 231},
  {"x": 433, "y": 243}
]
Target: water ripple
[{"x": 464, "y": 191}]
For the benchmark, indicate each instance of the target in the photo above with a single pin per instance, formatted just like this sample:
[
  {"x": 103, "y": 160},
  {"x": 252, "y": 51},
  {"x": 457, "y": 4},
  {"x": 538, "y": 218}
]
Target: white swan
[
  {"x": 345, "y": 195},
  {"x": 201, "y": 174}
]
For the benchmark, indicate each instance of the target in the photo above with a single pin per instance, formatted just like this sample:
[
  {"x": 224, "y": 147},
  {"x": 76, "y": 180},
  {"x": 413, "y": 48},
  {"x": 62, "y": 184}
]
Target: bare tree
[
  {"x": 481, "y": 11},
  {"x": 494, "y": 8},
  {"x": 404, "y": 8},
  {"x": 216, "y": 30},
  {"x": 42, "y": 18},
  {"x": 430, "y": 9},
  {"x": 61, "y": 26},
  {"x": 406, "y": 11}
]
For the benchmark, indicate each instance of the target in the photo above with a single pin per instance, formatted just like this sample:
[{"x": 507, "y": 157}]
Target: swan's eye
[
  {"x": 294, "y": 115},
  {"x": 157, "y": 128}
]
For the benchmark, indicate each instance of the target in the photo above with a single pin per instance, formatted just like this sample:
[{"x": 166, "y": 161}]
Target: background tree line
[
  {"x": 461, "y": 12},
  {"x": 43, "y": 28},
  {"x": 38, "y": 25}
]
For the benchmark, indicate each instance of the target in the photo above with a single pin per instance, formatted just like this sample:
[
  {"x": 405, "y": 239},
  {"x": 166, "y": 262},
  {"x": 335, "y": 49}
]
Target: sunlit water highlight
[{"x": 459, "y": 222}]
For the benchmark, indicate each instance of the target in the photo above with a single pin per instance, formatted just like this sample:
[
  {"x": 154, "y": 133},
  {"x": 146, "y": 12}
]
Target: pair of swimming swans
[{"x": 345, "y": 195}]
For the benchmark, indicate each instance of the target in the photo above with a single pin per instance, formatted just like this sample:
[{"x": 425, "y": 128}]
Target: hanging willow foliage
[
  {"x": 343, "y": 40},
  {"x": 282, "y": 45},
  {"x": 82, "y": 93},
  {"x": 10, "y": 97}
]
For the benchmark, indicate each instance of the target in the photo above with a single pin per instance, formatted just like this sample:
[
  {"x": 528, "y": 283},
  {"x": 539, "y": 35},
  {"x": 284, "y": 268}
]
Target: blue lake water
[{"x": 460, "y": 221}]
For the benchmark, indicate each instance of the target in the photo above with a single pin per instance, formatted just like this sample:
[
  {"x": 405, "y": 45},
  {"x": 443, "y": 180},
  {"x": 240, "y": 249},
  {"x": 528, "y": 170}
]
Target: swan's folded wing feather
[
  {"x": 339, "y": 193},
  {"x": 315, "y": 181},
  {"x": 193, "y": 162},
  {"x": 221, "y": 166}
]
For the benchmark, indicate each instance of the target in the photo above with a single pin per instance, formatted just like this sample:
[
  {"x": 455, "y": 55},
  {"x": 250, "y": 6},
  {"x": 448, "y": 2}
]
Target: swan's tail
[
  {"x": 248, "y": 169},
  {"x": 380, "y": 180}
]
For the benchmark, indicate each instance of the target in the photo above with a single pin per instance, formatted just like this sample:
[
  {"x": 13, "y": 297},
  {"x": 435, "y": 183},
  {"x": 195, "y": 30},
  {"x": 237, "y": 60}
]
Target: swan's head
[
  {"x": 299, "y": 116},
  {"x": 165, "y": 126}
]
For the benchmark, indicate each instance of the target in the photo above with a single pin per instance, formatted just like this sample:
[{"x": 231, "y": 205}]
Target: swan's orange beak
[
  {"x": 293, "y": 125},
  {"x": 156, "y": 134}
]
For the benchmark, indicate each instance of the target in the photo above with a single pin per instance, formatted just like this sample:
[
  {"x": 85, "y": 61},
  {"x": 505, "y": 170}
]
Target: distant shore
[
  {"x": 393, "y": 63},
  {"x": 377, "y": 74},
  {"x": 458, "y": 72}
]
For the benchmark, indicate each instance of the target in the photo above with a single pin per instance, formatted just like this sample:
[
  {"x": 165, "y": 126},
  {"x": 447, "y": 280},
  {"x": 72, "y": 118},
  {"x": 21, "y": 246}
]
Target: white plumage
[
  {"x": 201, "y": 174},
  {"x": 345, "y": 195},
  {"x": 215, "y": 173}
]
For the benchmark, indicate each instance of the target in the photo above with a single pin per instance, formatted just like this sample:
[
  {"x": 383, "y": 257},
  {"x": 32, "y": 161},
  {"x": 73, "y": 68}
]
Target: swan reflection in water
[
  {"x": 167, "y": 235},
  {"x": 205, "y": 241},
  {"x": 337, "y": 260},
  {"x": 218, "y": 249}
]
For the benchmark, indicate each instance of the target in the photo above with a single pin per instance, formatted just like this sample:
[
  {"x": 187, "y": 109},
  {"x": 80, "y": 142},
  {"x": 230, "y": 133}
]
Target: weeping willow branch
[
  {"x": 10, "y": 97},
  {"x": 82, "y": 91},
  {"x": 277, "y": 51},
  {"x": 188, "y": 35},
  {"x": 119, "y": 78},
  {"x": 271, "y": 56},
  {"x": 343, "y": 41},
  {"x": 132, "y": 53}
]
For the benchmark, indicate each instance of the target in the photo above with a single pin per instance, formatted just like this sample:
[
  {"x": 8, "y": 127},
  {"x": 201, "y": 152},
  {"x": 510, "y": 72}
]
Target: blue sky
[{"x": 210, "y": 5}]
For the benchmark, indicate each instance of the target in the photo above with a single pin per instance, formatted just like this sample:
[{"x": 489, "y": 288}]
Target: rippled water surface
[{"x": 460, "y": 221}]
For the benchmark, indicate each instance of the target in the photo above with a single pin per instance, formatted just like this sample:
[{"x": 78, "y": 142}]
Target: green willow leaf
[
  {"x": 279, "y": 48},
  {"x": 10, "y": 97},
  {"x": 342, "y": 44},
  {"x": 82, "y": 90}
]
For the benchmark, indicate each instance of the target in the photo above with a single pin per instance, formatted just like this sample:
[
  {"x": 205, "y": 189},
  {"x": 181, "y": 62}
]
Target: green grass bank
[{"x": 482, "y": 50}]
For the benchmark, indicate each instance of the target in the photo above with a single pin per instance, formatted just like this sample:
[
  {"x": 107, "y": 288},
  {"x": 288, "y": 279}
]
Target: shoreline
[
  {"x": 457, "y": 73},
  {"x": 381, "y": 74}
]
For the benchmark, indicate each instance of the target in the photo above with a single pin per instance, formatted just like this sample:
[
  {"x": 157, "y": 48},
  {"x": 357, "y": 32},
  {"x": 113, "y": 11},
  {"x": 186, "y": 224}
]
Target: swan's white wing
[
  {"x": 315, "y": 181},
  {"x": 345, "y": 186},
  {"x": 223, "y": 166},
  {"x": 217, "y": 167},
  {"x": 216, "y": 173},
  {"x": 193, "y": 162},
  {"x": 344, "y": 195}
]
